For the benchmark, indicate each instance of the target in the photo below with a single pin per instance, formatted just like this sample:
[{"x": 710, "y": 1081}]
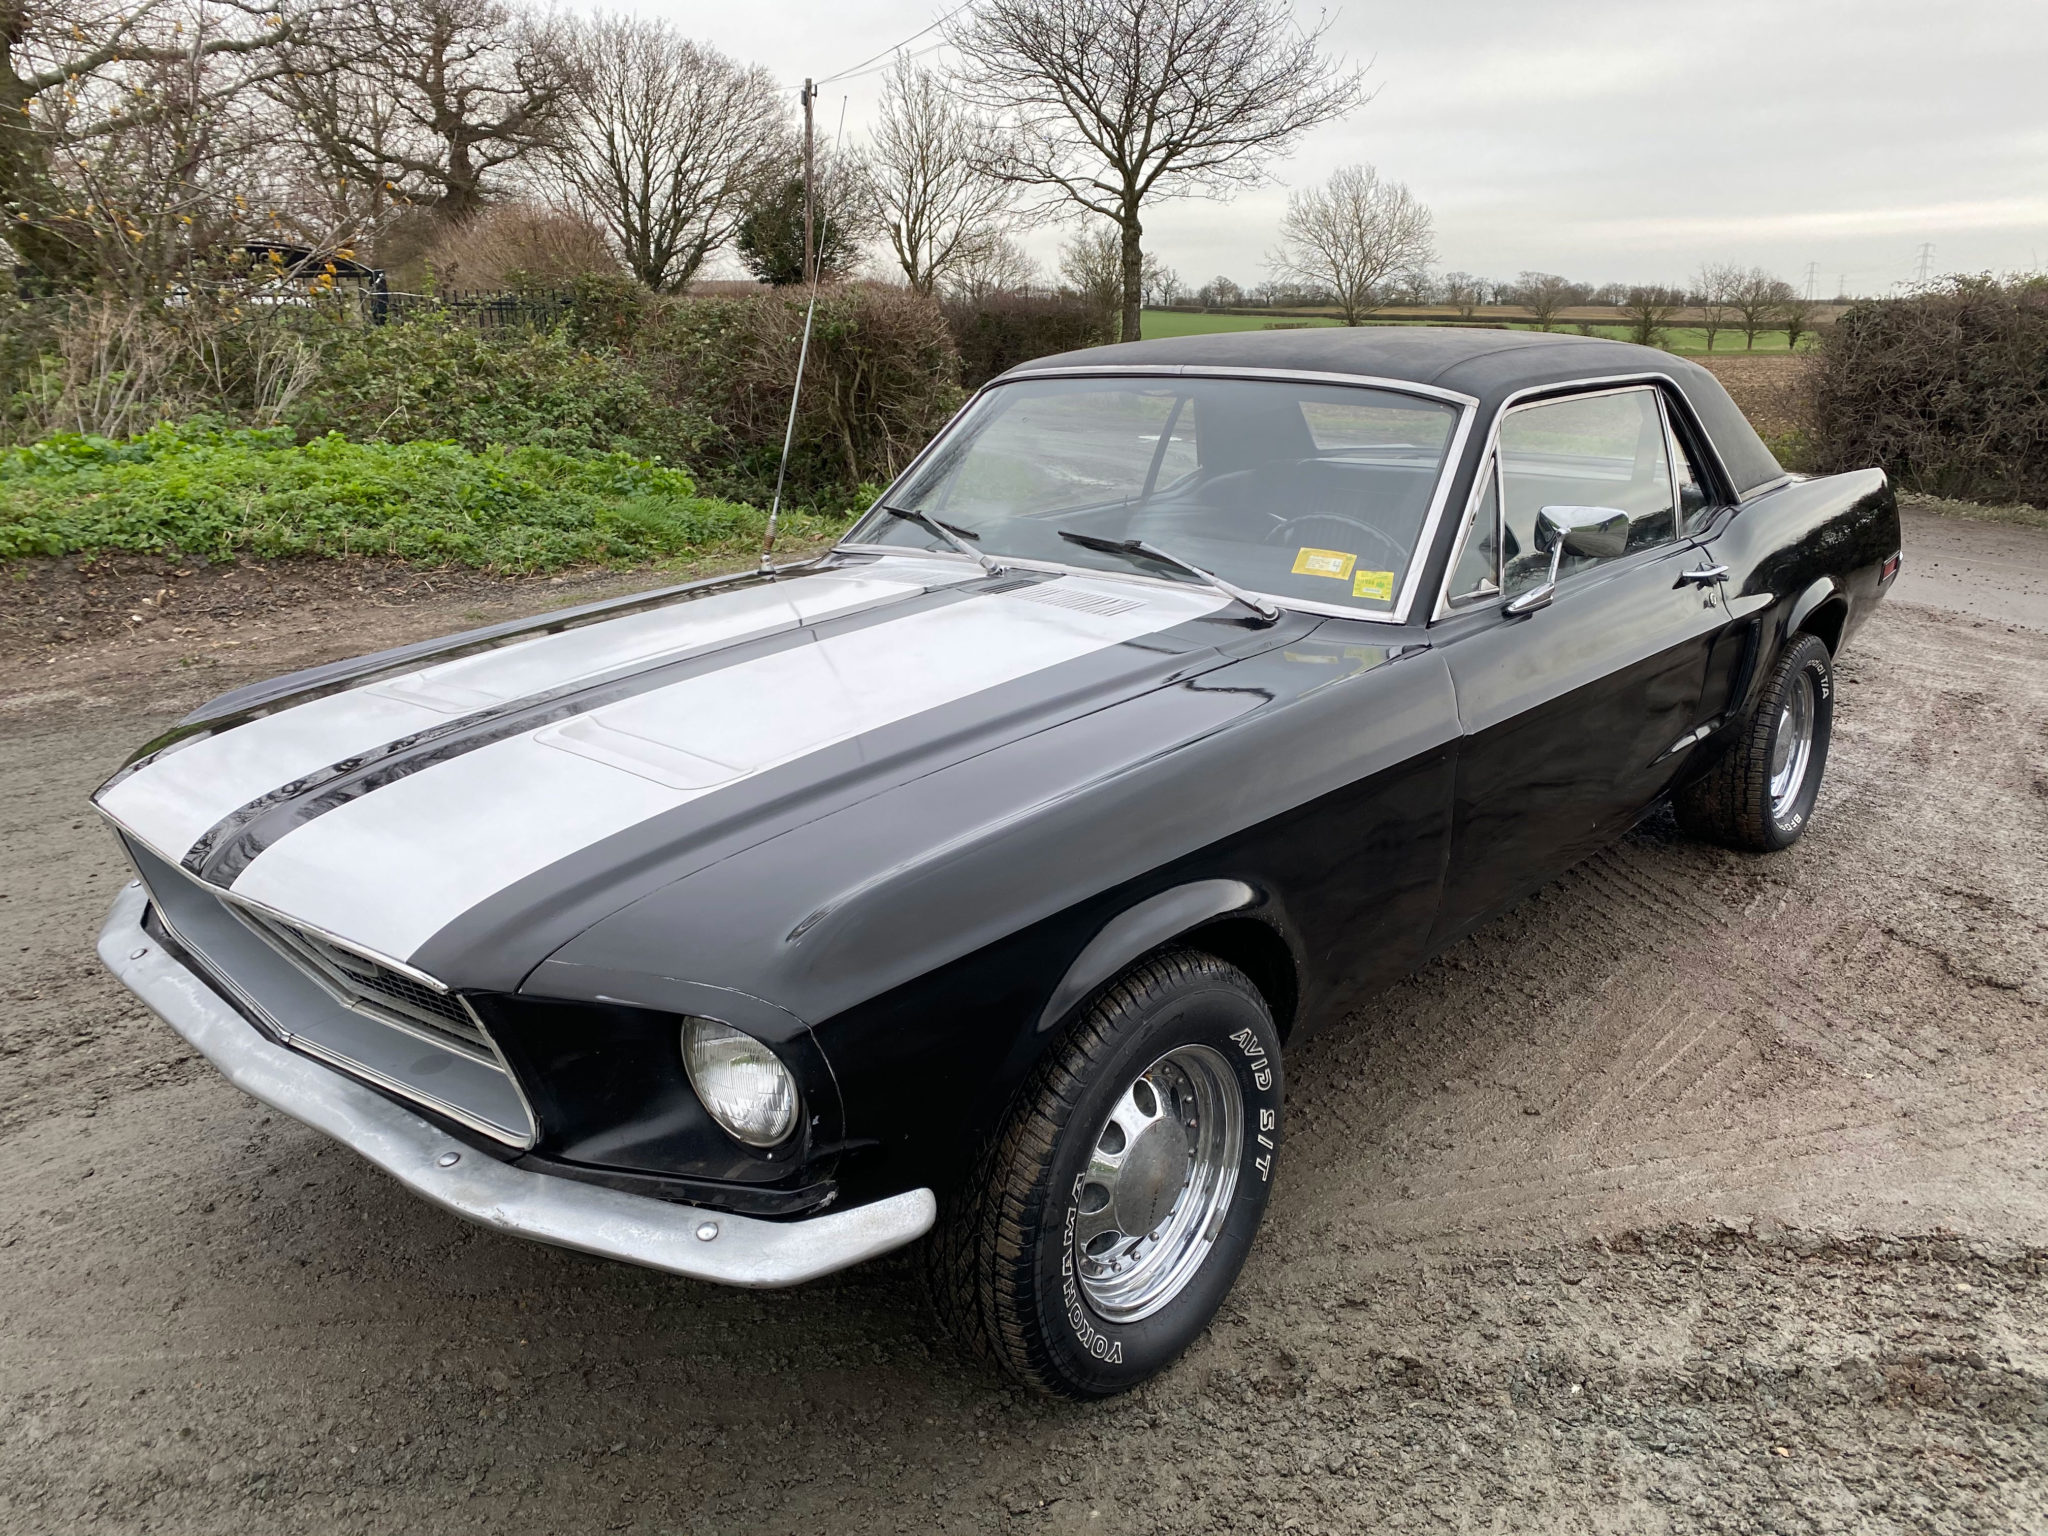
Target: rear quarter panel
[{"x": 1808, "y": 554}]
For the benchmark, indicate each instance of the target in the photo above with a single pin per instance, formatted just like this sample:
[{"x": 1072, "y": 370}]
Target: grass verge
[
  {"x": 1690, "y": 341},
  {"x": 216, "y": 495}
]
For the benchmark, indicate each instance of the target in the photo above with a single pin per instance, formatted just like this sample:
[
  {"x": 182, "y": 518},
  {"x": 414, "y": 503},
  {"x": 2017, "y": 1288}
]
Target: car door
[{"x": 1575, "y": 715}]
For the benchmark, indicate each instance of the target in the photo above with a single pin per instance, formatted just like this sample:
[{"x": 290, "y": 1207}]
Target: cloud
[{"x": 1929, "y": 218}]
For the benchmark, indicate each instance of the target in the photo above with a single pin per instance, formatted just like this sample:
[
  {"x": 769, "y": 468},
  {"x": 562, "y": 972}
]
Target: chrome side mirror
[{"x": 1591, "y": 533}]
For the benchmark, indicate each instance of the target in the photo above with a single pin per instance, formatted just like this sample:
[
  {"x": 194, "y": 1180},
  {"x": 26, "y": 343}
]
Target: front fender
[{"x": 1137, "y": 931}]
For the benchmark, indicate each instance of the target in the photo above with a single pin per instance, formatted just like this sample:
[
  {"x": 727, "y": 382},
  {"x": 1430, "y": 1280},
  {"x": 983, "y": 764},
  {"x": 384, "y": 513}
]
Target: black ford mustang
[{"x": 982, "y": 871}]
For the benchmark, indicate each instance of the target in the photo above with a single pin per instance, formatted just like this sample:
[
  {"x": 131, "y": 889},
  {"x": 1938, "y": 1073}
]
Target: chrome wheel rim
[
  {"x": 1792, "y": 747},
  {"x": 1160, "y": 1176}
]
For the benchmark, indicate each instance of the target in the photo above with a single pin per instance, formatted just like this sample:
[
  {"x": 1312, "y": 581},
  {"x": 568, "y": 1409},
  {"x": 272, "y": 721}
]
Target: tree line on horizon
[{"x": 146, "y": 146}]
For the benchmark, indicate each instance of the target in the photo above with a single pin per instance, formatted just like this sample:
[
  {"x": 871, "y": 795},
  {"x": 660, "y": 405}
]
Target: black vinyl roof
[{"x": 1487, "y": 364}]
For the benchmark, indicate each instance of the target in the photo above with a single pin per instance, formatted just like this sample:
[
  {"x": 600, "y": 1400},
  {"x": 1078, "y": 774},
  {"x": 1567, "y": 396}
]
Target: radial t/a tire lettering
[
  {"x": 1759, "y": 794},
  {"x": 1117, "y": 1205}
]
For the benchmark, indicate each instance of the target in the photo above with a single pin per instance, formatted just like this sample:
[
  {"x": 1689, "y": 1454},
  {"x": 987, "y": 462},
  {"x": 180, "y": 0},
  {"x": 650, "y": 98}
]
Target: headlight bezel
[{"x": 717, "y": 1059}]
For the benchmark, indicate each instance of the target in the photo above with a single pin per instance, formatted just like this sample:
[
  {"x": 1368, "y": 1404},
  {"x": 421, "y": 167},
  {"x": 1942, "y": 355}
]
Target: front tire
[
  {"x": 1759, "y": 796},
  {"x": 1119, "y": 1202}
]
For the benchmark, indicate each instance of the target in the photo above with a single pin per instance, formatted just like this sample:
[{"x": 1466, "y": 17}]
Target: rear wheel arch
[
  {"x": 1820, "y": 610},
  {"x": 1826, "y": 622}
]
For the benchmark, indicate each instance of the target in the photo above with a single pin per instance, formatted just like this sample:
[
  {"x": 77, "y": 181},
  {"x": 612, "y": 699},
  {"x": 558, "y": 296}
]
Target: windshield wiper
[
  {"x": 1141, "y": 550},
  {"x": 957, "y": 537}
]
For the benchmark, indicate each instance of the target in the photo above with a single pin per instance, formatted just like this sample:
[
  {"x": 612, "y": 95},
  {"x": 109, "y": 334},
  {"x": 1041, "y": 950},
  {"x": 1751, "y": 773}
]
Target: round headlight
[{"x": 744, "y": 1084}]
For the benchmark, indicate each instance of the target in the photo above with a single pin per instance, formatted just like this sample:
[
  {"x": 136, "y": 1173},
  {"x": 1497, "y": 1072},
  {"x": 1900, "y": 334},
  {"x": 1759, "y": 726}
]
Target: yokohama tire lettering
[{"x": 1093, "y": 1341}]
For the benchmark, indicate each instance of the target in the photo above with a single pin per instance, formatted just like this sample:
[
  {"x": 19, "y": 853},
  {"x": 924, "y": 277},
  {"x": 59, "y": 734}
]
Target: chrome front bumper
[{"x": 685, "y": 1240}]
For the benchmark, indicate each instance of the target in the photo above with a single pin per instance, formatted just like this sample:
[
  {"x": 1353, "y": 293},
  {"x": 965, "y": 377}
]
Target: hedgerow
[
  {"x": 217, "y": 494},
  {"x": 1947, "y": 389},
  {"x": 438, "y": 377}
]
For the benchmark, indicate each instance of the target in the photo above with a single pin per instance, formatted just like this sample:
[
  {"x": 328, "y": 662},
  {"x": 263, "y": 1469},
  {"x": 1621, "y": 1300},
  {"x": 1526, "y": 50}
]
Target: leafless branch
[
  {"x": 1356, "y": 236},
  {"x": 1111, "y": 104}
]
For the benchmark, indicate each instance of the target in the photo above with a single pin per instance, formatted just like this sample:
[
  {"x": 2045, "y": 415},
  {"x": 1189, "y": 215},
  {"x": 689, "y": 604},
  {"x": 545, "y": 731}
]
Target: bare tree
[
  {"x": 1163, "y": 287},
  {"x": 1357, "y": 236},
  {"x": 1713, "y": 285},
  {"x": 1462, "y": 291},
  {"x": 664, "y": 142},
  {"x": 1092, "y": 268},
  {"x": 1755, "y": 298},
  {"x": 1002, "y": 266},
  {"x": 1114, "y": 104},
  {"x": 429, "y": 100},
  {"x": 113, "y": 118},
  {"x": 1648, "y": 311},
  {"x": 1543, "y": 294},
  {"x": 928, "y": 163}
]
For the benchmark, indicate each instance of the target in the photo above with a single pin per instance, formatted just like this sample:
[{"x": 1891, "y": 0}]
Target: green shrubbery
[
  {"x": 1948, "y": 390},
  {"x": 308, "y": 432},
  {"x": 439, "y": 377},
  {"x": 881, "y": 378},
  {"x": 220, "y": 493}
]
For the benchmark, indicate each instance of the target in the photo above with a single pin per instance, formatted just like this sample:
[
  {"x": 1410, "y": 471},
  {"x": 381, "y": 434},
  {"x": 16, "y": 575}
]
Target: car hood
[{"x": 469, "y": 814}]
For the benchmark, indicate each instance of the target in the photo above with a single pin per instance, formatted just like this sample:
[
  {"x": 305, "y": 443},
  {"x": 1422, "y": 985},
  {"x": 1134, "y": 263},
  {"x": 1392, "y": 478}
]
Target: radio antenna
[{"x": 796, "y": 393}]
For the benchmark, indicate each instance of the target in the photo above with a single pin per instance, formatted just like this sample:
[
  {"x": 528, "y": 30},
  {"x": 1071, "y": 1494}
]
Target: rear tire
[
  {"x": 1112, "y": 1213},
  {"x": 1759, "y": 795}
]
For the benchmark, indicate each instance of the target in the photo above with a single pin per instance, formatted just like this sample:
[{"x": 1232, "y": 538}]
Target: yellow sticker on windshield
[
  {"x": 1323, "y": 562},
  {"x": 1379, "y": 584}
]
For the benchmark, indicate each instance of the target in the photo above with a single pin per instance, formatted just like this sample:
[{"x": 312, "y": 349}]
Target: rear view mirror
[{"x": 1591, "y": 533}]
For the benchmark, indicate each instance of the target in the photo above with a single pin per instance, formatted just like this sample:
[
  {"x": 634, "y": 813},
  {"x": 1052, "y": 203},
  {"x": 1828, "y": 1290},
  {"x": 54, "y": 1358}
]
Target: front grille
[
  {"x": 366, "y": 984},
  {"x": 403, "y": 1033}
]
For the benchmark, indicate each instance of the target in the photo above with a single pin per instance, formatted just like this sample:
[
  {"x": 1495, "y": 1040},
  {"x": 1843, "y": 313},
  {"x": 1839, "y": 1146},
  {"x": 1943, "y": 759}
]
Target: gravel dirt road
[{"x": 1702, "y": 1192}]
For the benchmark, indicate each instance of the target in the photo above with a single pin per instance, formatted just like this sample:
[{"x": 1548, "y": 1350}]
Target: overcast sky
[{"x": 1611, "y": 140}]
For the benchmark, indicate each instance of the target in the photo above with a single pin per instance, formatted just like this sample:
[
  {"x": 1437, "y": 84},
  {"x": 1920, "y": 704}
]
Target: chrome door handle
[{"x": 1703, "y": 576}]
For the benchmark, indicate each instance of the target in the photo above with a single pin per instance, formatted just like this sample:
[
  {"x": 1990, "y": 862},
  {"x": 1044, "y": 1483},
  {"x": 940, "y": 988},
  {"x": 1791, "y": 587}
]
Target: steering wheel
[{"x": 1290, "y": 531}]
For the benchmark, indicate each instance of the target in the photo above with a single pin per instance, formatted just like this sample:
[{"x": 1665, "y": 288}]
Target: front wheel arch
[
  {"x": 1216, "y": 910},
  {"x": 1257, "y": 949}
]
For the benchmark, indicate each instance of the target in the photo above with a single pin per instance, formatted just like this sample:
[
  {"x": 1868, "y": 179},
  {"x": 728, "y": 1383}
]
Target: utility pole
[
  {"x": 1812, "y": 278},
  {"x": 810, "y": 184},
  {"x": 1926, "y": 260}
]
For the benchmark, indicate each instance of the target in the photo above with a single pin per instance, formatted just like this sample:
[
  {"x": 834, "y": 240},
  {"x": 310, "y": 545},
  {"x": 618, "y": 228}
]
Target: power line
[
  {"x": 874, "y": 69},
  {"x": 896, "y": 47}
]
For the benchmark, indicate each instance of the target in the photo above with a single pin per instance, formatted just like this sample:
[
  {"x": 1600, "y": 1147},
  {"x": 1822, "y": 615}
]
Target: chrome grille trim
[
  {"x": 459, "y": 1034},
  {"x": 369, "y": 986}
]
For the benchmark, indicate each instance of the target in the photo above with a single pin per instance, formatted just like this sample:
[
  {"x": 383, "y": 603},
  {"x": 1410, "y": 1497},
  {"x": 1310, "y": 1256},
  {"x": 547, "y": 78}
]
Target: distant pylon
[
  {"x": 1926, "y": 266},
  {"x": 1812, "y": 278}
]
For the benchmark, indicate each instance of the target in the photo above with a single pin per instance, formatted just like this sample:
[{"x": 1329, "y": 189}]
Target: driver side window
[{"x": 1603, "y": 450}]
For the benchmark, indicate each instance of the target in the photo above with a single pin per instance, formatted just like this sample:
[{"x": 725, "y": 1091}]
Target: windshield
[{"x": 1306, "y": 491}]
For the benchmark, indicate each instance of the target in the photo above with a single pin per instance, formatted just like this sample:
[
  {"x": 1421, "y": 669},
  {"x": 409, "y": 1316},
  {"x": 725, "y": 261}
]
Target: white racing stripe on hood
[
  {"x": 170, "y": 804},
  {"x": 392, "y": 868}
]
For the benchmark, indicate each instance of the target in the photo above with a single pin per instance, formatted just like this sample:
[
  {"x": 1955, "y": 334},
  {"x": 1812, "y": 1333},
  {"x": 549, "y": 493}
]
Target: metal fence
[{"x": 488, "y": 311}]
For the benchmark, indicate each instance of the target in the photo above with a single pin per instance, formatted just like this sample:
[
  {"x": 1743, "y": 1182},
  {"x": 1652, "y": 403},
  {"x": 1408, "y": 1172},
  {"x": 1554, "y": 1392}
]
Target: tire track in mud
[{"x": 1674, "y": 1030}]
